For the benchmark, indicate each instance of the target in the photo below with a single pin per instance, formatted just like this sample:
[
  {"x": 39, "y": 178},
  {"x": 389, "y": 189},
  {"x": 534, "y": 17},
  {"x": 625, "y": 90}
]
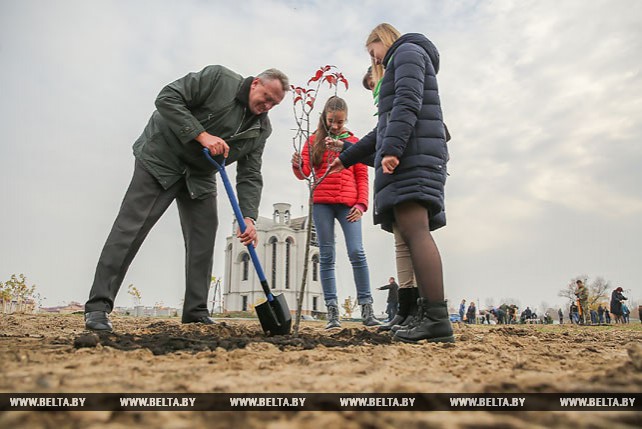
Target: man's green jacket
[{"x": 213, "y": 100}]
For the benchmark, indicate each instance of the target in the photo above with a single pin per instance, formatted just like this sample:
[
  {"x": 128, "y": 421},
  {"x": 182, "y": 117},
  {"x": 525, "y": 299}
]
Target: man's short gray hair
[{"x": 274, "y": 74}]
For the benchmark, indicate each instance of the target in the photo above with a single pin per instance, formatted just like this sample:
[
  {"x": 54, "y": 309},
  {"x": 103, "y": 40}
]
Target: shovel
[{"x": 274, "y": 313}]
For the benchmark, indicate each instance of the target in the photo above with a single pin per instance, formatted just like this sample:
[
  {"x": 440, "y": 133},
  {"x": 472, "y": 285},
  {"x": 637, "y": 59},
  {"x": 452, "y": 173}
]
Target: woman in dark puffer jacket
[{"x": 409, "y": 144}]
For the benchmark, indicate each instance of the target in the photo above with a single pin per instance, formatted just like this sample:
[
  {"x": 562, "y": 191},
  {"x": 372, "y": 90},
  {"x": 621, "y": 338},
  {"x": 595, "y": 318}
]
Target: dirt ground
[{"x": 53, "y": 353}]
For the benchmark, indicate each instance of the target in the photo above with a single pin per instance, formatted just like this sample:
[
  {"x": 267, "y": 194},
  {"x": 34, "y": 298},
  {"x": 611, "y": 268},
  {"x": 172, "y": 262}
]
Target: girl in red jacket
[{"x": 343, "y": 197}]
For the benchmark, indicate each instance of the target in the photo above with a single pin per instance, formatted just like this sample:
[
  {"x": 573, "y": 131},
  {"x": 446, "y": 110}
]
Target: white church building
[{"x": 281, "y": 250}]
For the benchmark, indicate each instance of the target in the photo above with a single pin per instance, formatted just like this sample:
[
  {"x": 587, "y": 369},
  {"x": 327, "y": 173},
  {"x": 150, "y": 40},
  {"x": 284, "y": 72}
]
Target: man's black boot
[
  {"x": 433, "y": 324},
  {"x": 98, "y": 321},
  {"x": 205, "y": 320}
]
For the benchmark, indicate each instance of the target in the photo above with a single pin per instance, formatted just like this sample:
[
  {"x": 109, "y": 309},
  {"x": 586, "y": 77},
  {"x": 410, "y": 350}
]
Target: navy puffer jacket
[{"x": 410, "y": 127}]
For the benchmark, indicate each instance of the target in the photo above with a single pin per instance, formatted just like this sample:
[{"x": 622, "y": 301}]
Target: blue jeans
[
  {"x": 324, "y": 216},
  {"x": 391, "y": 310}
]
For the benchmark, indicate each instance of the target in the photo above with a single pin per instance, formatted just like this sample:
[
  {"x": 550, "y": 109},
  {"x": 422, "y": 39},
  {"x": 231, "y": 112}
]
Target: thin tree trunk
[{"x": 305, "y": 268}]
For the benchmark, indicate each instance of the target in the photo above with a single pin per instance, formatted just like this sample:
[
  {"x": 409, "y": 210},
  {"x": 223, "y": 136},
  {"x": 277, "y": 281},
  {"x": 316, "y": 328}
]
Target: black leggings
[{"x": 411, "y": 219}]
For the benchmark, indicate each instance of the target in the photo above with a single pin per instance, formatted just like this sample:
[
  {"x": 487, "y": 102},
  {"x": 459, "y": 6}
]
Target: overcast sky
[{"x": 543, "y": 99}]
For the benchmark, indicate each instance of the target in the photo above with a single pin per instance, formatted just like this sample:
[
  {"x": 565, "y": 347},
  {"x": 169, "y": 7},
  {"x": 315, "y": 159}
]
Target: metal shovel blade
[{"x": 275, "y": 316}]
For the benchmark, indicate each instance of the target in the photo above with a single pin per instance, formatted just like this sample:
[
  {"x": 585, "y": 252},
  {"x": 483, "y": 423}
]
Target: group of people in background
[{"x": 579, "y": 311}]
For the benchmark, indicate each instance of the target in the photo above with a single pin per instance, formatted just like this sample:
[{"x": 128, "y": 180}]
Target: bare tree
[
  {"x": 568, "y": 291},
  {"x": 135, "y": 293},
  {"x": 349, "y": 306},
  {"x": 543, "y": 307},
  {"x": 597, "y": 290}
]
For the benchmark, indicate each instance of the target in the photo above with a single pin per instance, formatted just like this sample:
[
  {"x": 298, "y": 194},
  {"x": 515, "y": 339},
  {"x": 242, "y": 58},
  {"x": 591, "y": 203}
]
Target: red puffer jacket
[{"x": 349, "y": 187}]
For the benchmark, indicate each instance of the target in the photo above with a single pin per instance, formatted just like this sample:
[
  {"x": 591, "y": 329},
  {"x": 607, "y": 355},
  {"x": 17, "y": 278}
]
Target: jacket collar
[
  {"x": 419, "y": 40},
  {"x": 243, "y": 97},
  {"x": 243, "y": 94}
]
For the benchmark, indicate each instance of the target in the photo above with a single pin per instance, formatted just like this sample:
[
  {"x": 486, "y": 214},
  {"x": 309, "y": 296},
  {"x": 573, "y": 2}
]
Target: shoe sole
[
  {"x": 202, "y": 323},
  {"x": 99, "y": 330},
  {"x": 450, "y": 339},
  {"x": 401, "y": 328}
]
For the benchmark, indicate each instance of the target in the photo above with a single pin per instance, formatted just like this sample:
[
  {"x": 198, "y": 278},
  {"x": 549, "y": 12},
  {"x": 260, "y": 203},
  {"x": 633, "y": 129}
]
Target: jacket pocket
[{"x": 251, "y": 133}]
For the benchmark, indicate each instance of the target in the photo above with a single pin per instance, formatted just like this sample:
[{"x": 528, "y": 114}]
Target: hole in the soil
[{"x": 162, "y": 339}]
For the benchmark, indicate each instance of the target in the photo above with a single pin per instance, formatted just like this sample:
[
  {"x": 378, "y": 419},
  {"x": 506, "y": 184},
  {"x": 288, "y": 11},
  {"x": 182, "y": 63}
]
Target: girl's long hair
[
  {"x": 386, "y": 34},
  {"x": 334, "y": 104}
]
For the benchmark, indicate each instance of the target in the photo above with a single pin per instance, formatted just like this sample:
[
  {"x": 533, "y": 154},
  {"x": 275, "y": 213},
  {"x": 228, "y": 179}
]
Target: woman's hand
[
  {"x": 296, "y": 159},
  {"x": 354, "y": 214},
  {"x": 333, "y": 145},
  {"x": 389, "y": 163},
  {"x": 336, "y": 166}
]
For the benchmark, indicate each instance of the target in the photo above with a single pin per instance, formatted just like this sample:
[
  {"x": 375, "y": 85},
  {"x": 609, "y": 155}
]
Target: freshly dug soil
[{"x": 54, "y": 353}]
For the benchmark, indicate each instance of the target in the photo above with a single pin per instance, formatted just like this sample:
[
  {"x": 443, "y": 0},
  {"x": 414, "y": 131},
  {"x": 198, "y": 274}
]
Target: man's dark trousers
[{"x": 144, "y": 203}]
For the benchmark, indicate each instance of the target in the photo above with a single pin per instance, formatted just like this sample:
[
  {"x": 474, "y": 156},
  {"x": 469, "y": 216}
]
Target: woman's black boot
[
  {"x": 413, "y": 310},
  {"x": 433, "y": 324},
  {"x": 407, "y": 301}
]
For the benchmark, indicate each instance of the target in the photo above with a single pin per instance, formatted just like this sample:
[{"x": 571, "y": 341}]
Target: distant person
[
  {"x": 340, "y": 197},
  {"x": 616, "y": 304},
  {"x": 471, "y": 313},
  {"x": 582, "y": 296},
  {"x": 500, "y": 314},
  {"x": 600, "y": 314},
  {"x": 560, "y": 314},
  {"x": 625, "y": 313},
  {"x": 640, "y": 312},
  {"x": 574, "y": 315},
  {"x": 607, "y": 316},
  {"x": 512, "y": 315},
  {"x": 393, "y": 298},
  {"x": 216, "y": 109},
  {"x": 462, "y": 309}
]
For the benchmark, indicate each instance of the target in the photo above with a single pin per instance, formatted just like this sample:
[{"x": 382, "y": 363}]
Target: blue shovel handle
[{"x": 239, "y": 218}]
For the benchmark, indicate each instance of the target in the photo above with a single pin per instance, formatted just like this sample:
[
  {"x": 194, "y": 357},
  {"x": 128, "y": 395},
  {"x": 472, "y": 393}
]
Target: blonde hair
[{"x": 387, "y": 35}]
